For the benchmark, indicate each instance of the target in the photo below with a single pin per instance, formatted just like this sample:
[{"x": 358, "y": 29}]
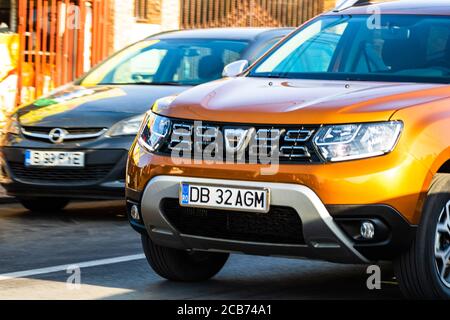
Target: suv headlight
[
  {"x": 127, "y": 127},
  {"x": 12, "y": 126},
  {"x": 154, "y": 132},
  {"x": 357, "y": 141}
]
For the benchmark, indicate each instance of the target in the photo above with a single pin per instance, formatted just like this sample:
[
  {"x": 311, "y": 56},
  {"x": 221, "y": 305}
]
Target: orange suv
[{"x": 335, "y": 145}]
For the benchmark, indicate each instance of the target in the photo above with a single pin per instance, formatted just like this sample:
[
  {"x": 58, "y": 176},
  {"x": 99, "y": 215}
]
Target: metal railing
[
  {"x": 247, "y": 13},
  {"x": 59, "y": 41}
]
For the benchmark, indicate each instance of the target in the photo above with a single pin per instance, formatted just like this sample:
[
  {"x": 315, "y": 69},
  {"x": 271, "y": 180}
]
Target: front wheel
[
  {"x": 181, "y": 265},
  {"x": 44, "y": 205},
  {"x": 424, "y": 271}
]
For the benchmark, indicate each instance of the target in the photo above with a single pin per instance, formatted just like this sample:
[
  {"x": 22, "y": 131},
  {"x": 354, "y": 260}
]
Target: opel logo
[
  {"x": 57, "y": 135},
  {"x": 237, "y": 140}
]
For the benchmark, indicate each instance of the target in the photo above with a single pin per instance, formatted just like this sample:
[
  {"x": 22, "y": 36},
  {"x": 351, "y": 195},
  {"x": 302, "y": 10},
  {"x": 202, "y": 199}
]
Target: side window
[
  {"x": 438, "y": 42},
  {"x": 230, "y": 56},
  {"x": 320, "y": 54},
  {"x": 201, "y": 64},
  {"x": 264, "y": 48},
  {"x": 141, "y": 68},
  {"x": 315, "y": 54},
  {"x": 188, "y": 68}
]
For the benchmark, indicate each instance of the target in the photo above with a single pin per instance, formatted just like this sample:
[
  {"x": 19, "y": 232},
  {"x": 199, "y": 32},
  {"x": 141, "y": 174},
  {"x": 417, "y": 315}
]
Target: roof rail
[{"x": 346, "y": 4}]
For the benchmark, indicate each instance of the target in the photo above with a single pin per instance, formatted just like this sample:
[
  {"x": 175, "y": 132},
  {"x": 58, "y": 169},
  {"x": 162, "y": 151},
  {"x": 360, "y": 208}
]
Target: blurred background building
[{"x": 47, "y": 43}]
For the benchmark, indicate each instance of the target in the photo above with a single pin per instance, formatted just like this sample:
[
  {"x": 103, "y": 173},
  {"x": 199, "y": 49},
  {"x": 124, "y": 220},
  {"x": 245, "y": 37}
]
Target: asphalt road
[{"x": 35, "y": 250}]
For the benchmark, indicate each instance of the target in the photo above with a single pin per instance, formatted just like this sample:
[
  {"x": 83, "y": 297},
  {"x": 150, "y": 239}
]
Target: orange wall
[{"x": 329, "y": 4}]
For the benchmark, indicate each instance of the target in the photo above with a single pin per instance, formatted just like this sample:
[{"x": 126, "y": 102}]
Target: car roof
[
  {"x": 248, "y": 34},
  {"x": 411, "y": 7}
]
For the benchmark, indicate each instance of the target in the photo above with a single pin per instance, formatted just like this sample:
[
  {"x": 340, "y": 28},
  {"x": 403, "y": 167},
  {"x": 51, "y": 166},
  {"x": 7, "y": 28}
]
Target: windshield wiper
[
  {"x": 142, "y": 83},
  {"x": 168, "y": 83},
  {"x": 270, "y": 75}
]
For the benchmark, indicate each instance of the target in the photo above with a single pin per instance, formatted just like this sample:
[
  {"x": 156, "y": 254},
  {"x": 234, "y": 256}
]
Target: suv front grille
[
  {"x": 281, "y": 225},
  {"x": 294, "y": 143},
  {"x": 89, "y": 174}
]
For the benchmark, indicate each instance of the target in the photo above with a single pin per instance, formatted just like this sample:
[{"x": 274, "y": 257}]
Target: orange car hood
[{"x": 260, "y": 100}]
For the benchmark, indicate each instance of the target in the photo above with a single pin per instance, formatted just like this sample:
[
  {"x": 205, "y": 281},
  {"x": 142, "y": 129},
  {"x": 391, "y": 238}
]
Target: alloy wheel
[{"x": 442, "y": 246}]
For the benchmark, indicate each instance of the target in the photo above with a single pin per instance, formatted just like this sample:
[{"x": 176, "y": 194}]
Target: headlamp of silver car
[
  {"x": 12, "y": 126},
  {"x": 357, "y": 141},
  {"x": 127, "y": 127}
]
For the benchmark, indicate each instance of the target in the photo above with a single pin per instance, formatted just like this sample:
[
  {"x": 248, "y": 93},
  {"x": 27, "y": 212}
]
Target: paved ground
[{"x": 39, "y": 244}]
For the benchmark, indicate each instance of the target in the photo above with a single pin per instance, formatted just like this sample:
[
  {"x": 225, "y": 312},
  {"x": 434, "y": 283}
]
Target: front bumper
[
  {"x": 103, "y": 176},
  {"x": 323, "y": 237}
]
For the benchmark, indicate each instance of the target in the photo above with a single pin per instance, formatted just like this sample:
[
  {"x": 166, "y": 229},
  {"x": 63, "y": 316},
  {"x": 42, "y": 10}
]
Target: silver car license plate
[{"x": 35, "y": 158}]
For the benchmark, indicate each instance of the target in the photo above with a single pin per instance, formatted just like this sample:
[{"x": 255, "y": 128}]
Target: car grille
[
  {"x": 281, "y": 225},
  {"x": 294, "y": 143},
  {"x": 88, "y": 174},
  {"x": 72, "y": 134}
]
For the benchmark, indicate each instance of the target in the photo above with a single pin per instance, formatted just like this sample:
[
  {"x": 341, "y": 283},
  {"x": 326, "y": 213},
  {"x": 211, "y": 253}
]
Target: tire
[
  {"x": 180, "y": 265},
  {"x": 43, "y": 205},
  {"x": 418, "y": 269}
]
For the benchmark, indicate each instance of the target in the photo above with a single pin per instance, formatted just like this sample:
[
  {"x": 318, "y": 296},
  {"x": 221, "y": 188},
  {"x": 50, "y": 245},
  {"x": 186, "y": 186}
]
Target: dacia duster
[{"x": 335, "y": 145}]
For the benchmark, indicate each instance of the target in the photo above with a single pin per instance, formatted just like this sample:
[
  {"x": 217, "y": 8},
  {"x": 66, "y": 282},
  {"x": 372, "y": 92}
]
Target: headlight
[
  {"x": 154, "y": 132},
  {"x": 357, "y": 141},
  {"x": 127, "y": 127},
  {"x": 12, "y": 126}
]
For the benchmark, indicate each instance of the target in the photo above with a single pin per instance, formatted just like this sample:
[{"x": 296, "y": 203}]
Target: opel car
[{"x": 73, "y": 143}]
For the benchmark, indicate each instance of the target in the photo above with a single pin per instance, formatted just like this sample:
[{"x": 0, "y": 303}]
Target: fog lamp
[
  {"x": 367, "y": 230},
  {"x": 135, "y": 212}
]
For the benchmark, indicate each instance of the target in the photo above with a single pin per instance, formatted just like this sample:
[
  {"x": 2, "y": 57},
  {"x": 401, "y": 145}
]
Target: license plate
[
  {"x": 53, "y": 159},
  {"x": 224, "y": 197}
]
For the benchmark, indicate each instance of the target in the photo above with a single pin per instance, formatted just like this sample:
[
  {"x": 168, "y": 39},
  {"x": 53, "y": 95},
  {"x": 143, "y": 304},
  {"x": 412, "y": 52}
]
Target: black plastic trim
[
  {"x": 136, "y": 225},
  {"x": 72, "y": 190},
  {"x": 400, "y": 233}
]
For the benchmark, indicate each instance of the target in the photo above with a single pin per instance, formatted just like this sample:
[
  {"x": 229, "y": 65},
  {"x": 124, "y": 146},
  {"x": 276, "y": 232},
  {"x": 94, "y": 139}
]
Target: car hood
[
  {"x": 265, "y": 101},
  {"x": 97, "y": 107}
]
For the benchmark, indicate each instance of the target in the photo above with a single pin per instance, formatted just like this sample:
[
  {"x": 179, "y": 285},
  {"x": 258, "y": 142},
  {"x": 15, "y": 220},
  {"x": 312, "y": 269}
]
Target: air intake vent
[{"x": 281, "y": 225}]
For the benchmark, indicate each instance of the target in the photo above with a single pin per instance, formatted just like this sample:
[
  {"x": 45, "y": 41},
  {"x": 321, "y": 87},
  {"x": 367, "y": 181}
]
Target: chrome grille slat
[
  {"x": 178, "y": 145},
  {"x": 253, "y": 150},
  {"x": 204, "y": 132},
  {"x": 182, "y": 129},
  {"x": 268, "y": 134},
  {"x": 305, "y": 133},
  {"x": 305, "y": 152}
]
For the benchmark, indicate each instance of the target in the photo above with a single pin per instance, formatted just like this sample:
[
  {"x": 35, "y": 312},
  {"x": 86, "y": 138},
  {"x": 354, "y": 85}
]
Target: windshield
[
  {"x": 167, "y": 62},
  {"x": 396, "y": 48}
]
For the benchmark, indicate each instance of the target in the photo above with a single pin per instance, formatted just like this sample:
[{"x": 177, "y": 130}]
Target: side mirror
[{"x": 235, "y": 68}]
